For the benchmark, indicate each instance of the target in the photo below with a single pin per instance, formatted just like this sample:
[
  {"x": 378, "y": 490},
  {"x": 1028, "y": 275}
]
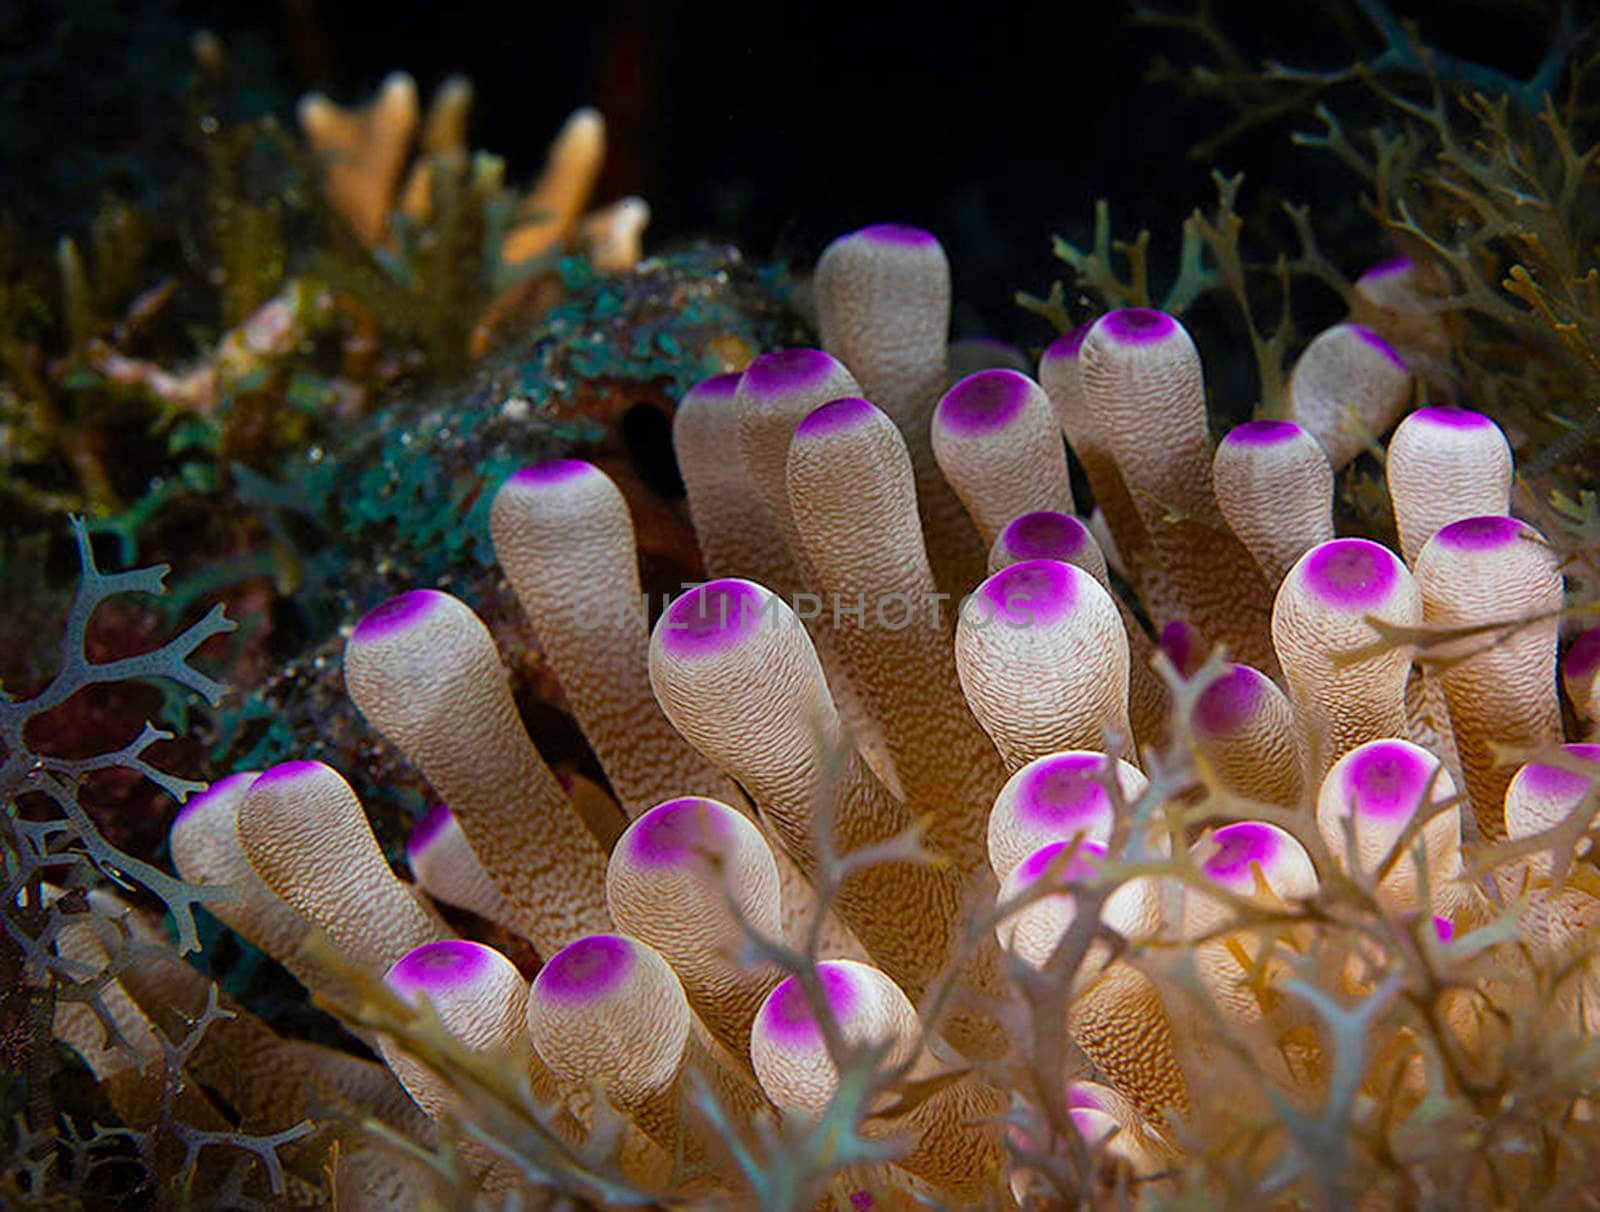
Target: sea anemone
[{"x": 955, "y": 887}]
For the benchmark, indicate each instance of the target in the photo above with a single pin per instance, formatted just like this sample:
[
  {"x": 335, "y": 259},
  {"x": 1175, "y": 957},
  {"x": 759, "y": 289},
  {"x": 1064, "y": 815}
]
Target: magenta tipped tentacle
[
  {"x": 1542, "y": 795},
  {"x": 1445, "y": 464},
  {"x": 428, "y": 830},
  {"x": 955, "y": 1139},
  {"x": 1061, "y": 376},
  {"x": 982, "y": 403},
  {"x": 836, "y": 416},
  {"x": 1053, "y": 535},
  {"x": 1055, "y": 798},
  {"x": 1263, "y": 433},
  {"x": 1240, "y": 848},
  {"x": 996, "y": 441},
  {"x": 1477, "y": 576},
  {"x": 714, "y": 618},
  {"x": 1138, "y": 326},
  {"x": 1348, "y": 387},
  {"x": 883, "y": 308},
  {"x": 1350, "y": 574},
  {"x": 438, "y": 968},
  {"x": 564, "y": 536},
  {"x": 607, "y": 1008},
  {"x": 1580, "y": 677},
  {"x": 1237, "y": 858},
  {"x": 788, "y": 1047},
  {"x": 587, "y": 970},
  {"x": 1245, "y": 727},
  {"x": 1043, "y": 659},
  {"x": 1046, "y": 534},
  {"x": 1347, "y": 684},
  {"x": 1370, "y": 797},
  {"x": 1564, "y": 914},
  {"x": 1275, "y": 488},
  {"x": 1032, "y": 593},
  {"x": 425, "y": 672},
  {"x": 1230, "y": 701},
  {"x": 853, "y": 494},
  {"x": 688, "y": 877},
  {"x": 397, "y": 616},
  {"x": 230, "y": 787},
  {"x": 1142, "y": 384},
  {"x": 678, "y": 832},
  {"x": 1182, "y": 644},
  {"x": 480, "y": 999},
  {"x": 307, "y": 837},
  {"x": 744, "y": 686},
  {"x": 206, "y": 849},
  {"x": 786, "y": 1017},
  {"x": 1264, "y": 863}
]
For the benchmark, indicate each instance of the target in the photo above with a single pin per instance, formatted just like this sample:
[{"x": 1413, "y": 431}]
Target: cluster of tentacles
[{"x": 878, "y": 772}]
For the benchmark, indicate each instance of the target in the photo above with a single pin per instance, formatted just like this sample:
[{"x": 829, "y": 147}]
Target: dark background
[{"x": 778, "y": 126}]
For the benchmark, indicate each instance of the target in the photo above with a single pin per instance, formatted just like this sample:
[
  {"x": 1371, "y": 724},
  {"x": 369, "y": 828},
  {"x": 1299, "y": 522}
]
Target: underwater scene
[{"x": 645, "y": 605}]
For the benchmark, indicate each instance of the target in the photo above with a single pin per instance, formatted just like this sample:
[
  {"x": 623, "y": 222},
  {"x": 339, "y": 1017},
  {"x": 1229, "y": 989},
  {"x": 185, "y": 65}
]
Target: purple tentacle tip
[
  {"x": 288, "y": 772},
  {"x": 901, "y": 235},
  {"x": 1031, "y": 593},
  {"x": 1183, "y": 646},
  {"x": 1381, "y": 347},
  {"x": 1082, "y": 1096},
  {"x": 436, "y": 967},
  {"x": 1065, "y": 790},
  {"x": 717, "y": 387},
  {"x": 778, "y": 374},
  {"x": 983, "y": 402},
  {"x": 1080, "y": 868},
  {"x": 1136, "y": 325},
  {"x": 1046, "y": 535},
  {"x": 1238, "y": 846},
  {"x": 836, "y": 416},
  {"x": 1387, "y": 778},
  {"x": 1443, "y": 929},
  {"x": 1065, "y": 347},
  {"x": 677, "y": 831},
  {"x": 556, "y": 471},
  {"x": 711, "y": 618},
  {"x": 1386, "y": 269},
  {"x": 232, "y": 784},
  {"x": 1351, "y": 574},
  {"x": 428, "y": 830},
  {"x": 1487, "y": 533},
  {"x": 1564, "y": 786},
  {"x": 1092, "y": 1125},
  {"x": 1583, "y": 656},
  {"x": 586, "y": 970},
  {"x": 1263, "y": 433},
  {"x": 1230, "y": 702},
  {"x": 786, "y": 1017},
  {"x": 1451, "y": 418},
  {"x": 397, "y": 614}
]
